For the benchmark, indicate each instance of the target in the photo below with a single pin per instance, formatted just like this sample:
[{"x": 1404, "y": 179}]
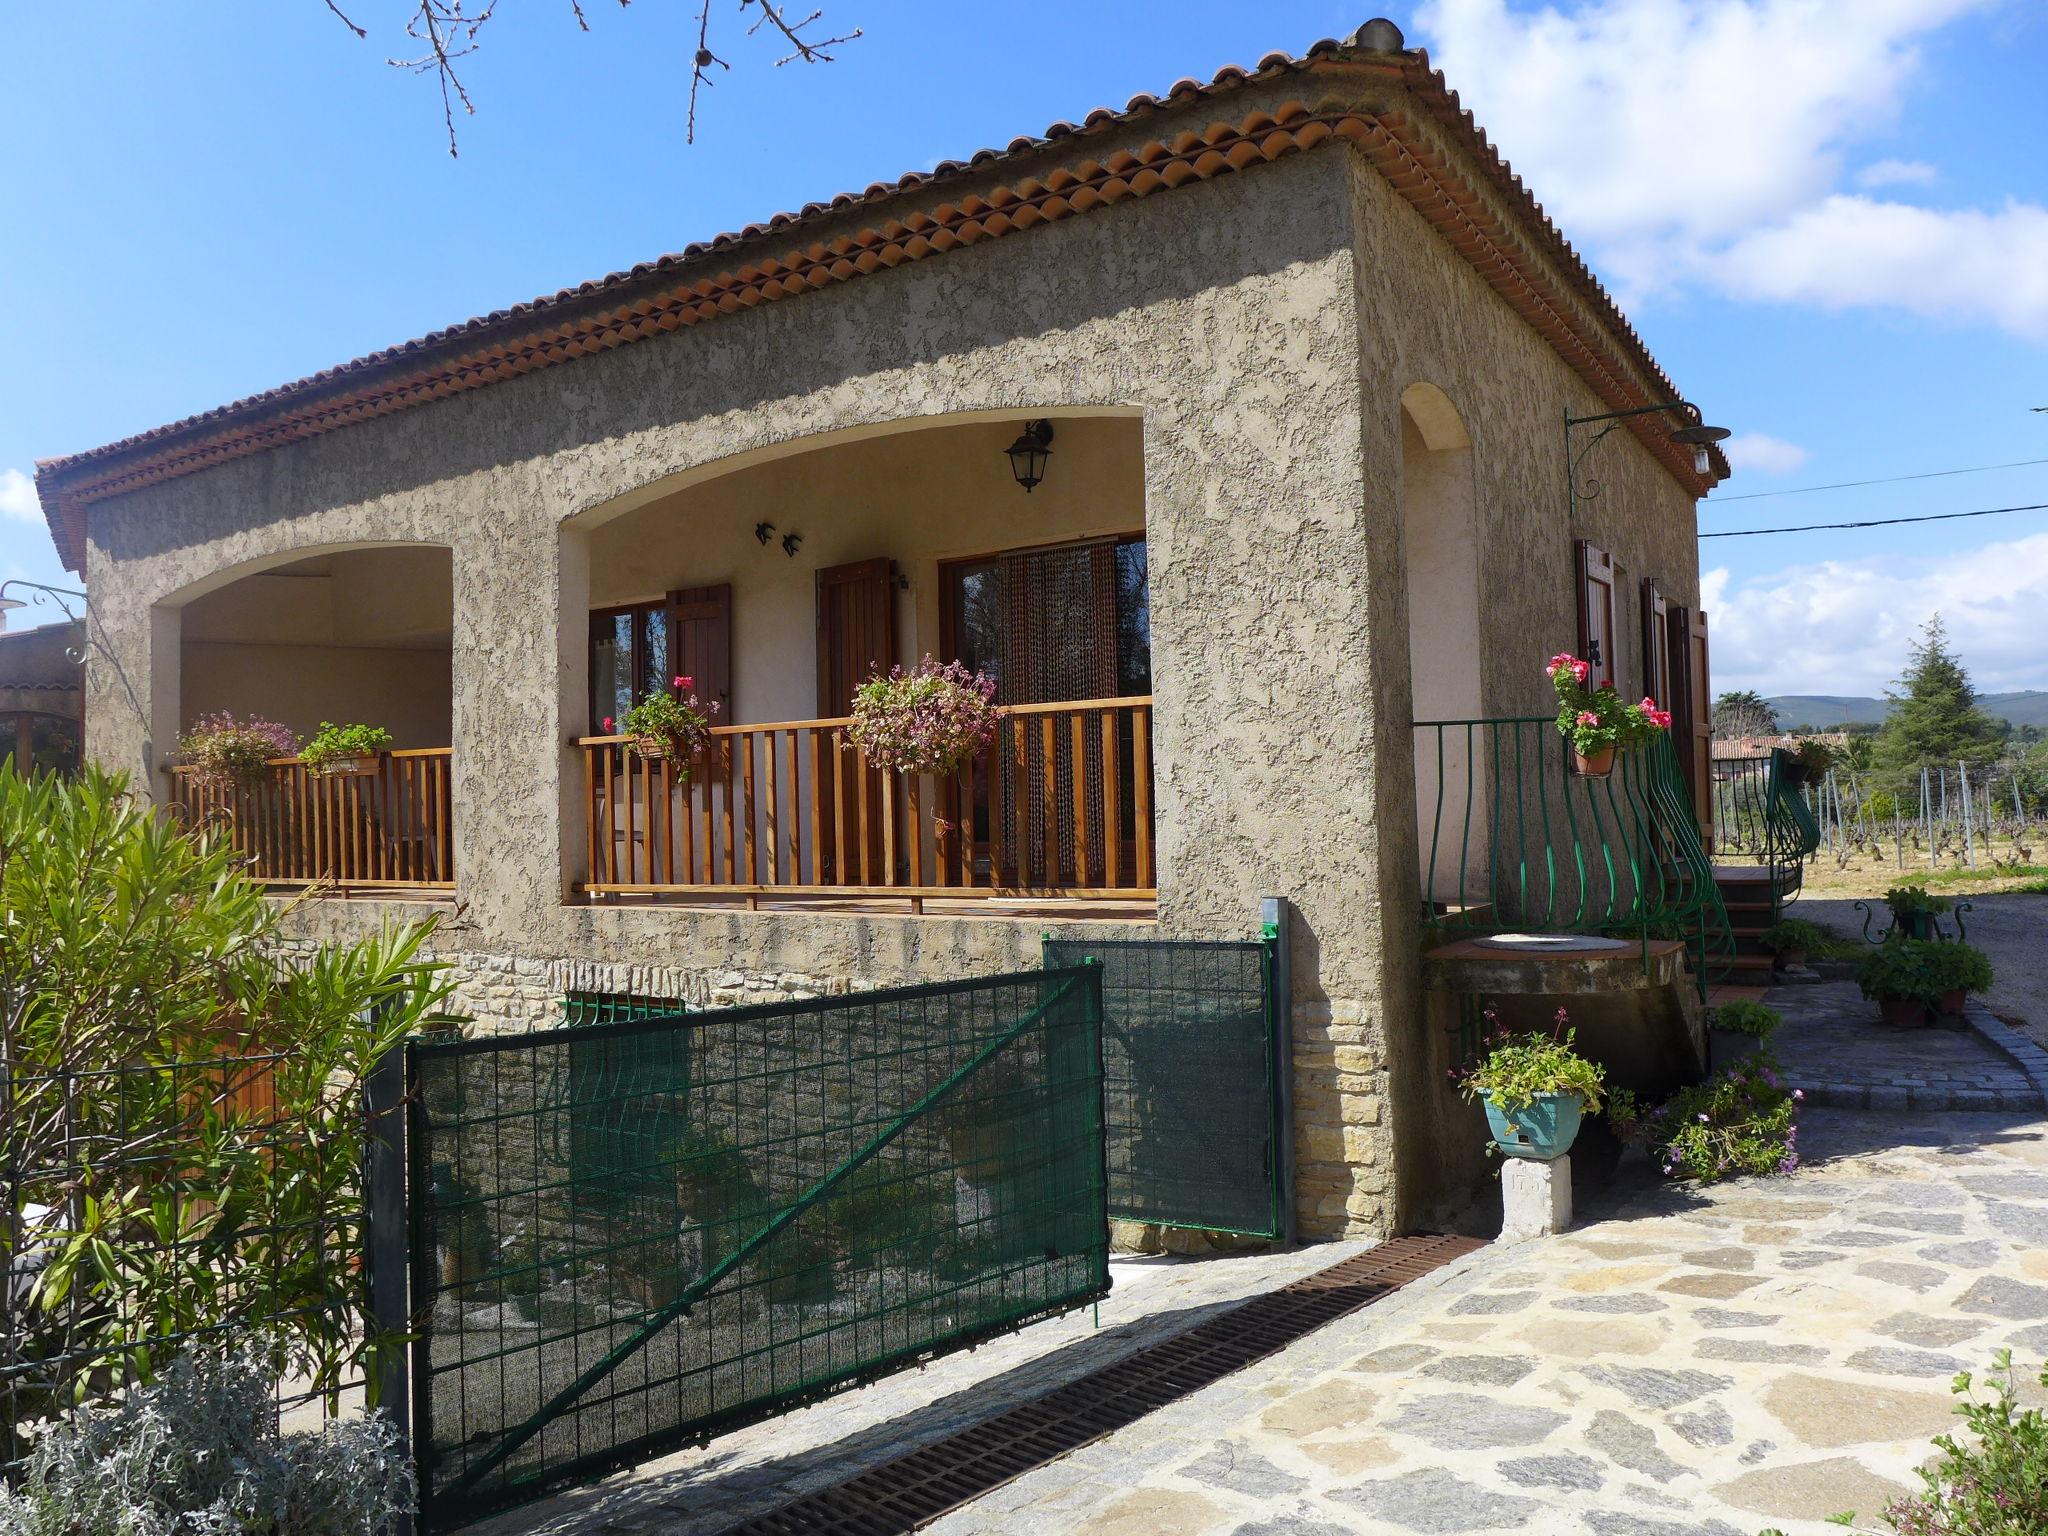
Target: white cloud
[
  {"x": 1895, "y": 173},
  {"x": 1706, "y": 142},
  {"x": 1844, "y": 626},
  {"x": 1760, "y": 453},
  {"x": 1855, "y": 251},
  {"x": 18, "y": 497}
]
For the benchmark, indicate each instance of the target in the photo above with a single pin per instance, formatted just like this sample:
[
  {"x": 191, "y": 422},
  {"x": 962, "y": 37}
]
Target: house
[
  {"x": 1291, "y": 353},
  {"x": 41, "y": 700}
]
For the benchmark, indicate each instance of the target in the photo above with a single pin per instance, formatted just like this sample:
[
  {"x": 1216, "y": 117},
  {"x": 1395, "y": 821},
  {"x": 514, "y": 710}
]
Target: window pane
[
  {"x": 654, "y": 672},
  {"x": 1133, "y": 619},
  {"x": 56, "y": 745},
  {"x": 611, "y": 668},
  {"x": 978, "y": 618}
]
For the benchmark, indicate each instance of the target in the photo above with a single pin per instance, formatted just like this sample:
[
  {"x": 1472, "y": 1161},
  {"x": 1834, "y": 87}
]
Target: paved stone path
[
  {"x": 1693, "y": 1361},
  {"x": 1832, "y": 1046}
]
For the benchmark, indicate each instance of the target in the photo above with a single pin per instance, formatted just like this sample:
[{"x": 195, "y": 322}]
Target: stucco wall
[{"x": 1259, "y": 329}]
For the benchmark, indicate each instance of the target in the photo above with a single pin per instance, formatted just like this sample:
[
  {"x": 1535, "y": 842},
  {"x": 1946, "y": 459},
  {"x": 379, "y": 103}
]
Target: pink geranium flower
[{"x": 1587, "y": 717}]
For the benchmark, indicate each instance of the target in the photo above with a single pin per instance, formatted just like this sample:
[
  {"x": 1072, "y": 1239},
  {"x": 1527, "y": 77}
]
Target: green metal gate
[
  {"x": 634, "y": 1235},
  {"x": 1194, "y": 1093}
]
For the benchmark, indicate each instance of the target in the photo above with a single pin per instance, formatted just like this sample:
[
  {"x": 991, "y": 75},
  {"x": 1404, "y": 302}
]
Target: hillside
[{"x": 1827, "y": 711}]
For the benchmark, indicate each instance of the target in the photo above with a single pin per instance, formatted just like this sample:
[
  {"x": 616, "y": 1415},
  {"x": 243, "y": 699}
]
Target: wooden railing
[
  {"x": 386, "y": 827},
  {"x": 1060, "y": 804}
]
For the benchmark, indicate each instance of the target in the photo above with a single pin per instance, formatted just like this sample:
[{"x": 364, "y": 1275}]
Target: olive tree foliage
[
  {"x": 442, "y": 33},
  {"x": 181, "y": 1121}
]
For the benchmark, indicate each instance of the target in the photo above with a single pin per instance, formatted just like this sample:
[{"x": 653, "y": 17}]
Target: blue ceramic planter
[{"x": 1542, "y": 1130}]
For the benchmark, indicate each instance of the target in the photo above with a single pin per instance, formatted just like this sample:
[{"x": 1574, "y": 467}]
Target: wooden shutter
[
  {"x": 856, "y": 629},
  {"x": 1657, "y": 672},
  {"x": 1694, "y": 713},
  {"x": 700, "y": 644},
  {"x": 1596, "y": 611}
]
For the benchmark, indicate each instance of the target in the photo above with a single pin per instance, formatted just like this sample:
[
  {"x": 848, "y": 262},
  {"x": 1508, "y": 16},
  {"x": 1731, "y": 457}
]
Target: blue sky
[{"x": 1825, "y": 216}]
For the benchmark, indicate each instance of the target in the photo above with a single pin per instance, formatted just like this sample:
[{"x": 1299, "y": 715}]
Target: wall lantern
[
  {"x": 1699, "y": 437},
  {"x": 1029, "y": 453}
]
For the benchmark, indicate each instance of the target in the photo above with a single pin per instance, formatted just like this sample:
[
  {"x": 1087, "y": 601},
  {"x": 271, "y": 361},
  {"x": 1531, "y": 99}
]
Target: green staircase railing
[
  {"x": 1762, "y": 819},
  {"x": 1514, "y": 839}
]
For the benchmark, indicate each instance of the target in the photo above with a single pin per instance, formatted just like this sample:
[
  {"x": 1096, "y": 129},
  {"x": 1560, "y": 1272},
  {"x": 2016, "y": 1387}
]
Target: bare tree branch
[{"x": 345, "y": 21}]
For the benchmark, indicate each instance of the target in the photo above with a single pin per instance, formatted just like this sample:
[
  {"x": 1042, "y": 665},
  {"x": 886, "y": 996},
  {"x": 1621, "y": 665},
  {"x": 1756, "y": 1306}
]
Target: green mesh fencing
[
  {"x": 1190, "y": 1101},
  {"x": 633, "y": 1235}
]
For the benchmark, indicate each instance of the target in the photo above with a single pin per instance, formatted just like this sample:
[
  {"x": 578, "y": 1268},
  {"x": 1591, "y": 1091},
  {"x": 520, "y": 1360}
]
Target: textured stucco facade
[{"x": 1252, "y": 336}]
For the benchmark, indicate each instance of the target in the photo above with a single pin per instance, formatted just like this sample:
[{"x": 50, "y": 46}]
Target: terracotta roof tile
[{"x": 701, "y": 283}]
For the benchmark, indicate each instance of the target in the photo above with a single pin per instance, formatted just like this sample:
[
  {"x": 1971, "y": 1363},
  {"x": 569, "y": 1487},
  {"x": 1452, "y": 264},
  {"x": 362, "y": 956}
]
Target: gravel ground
[{"x": 2011, "y": 929}]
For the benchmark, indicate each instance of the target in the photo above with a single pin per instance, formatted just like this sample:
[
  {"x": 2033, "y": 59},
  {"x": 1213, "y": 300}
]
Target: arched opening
[
  {"x": 1440, "y": 534},
  {"x": 781, "y": 583},
  {"x": 359, "y": 635}
]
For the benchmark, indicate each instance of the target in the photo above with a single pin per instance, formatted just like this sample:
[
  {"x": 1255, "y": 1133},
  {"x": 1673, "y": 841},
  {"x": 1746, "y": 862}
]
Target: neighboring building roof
[{"x": 758, "y": 264}]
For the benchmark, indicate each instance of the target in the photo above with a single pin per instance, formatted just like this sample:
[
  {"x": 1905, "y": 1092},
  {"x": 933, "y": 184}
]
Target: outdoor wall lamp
[
  {"x": 46, "y": 596},
  {"x": 1029, "y": 453},
  {"x": 1693, "y": 432}
]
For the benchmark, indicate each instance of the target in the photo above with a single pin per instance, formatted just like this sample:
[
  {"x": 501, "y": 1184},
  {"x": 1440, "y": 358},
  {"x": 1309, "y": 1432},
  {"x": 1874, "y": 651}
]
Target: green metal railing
[
  {"x": 632, "y": 1235},
  {"x": 1514, "y": 839},
  {"x": 1762, "y": 818}
]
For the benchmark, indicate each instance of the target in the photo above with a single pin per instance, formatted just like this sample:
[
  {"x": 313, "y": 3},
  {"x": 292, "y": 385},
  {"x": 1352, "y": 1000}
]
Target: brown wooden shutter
[
  {"x": 1657, "y": 672},
  {"x": 1596, "y": 611},
  {"x": 700, "y": 644},
  {"x": 1694, "y": 713},
  {"x": 856, "y": 629}
]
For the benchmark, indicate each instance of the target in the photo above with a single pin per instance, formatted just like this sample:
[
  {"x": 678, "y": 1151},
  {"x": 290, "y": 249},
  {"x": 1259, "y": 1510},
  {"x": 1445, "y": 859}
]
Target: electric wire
[
  {"x": 1875, "y": 522},
  {"x": 1848, "y": 485}
]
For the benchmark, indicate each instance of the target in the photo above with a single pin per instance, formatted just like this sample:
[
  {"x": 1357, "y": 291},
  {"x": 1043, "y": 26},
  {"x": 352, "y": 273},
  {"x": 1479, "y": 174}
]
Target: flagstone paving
[{"x": 1690, "y": 1360}]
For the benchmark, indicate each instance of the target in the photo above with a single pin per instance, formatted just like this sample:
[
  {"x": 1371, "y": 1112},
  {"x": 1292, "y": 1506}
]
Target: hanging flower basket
[
  {"x": 933, "y": 719},
  {"x": 229, "y": 754},
  {"x": 670, "y": 726},
  {"x": 1595, "y": 721}
]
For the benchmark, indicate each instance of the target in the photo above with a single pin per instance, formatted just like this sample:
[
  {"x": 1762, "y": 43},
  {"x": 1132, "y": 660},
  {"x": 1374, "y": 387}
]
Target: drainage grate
[{"x": 916, "y": 1488}]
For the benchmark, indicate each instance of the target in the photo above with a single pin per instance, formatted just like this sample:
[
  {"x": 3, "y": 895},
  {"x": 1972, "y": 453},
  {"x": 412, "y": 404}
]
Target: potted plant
[
  {"x": 1536, "y": 1089},
  {"x": 1791, "y": 940},
  {"x": 1744, "y": 1121},
  {"x": 1958, "y": 970},
  {"x": 1737, "y": 1031},
  {"x": 1914, "y": 910},
  {"x": 1595, "y": 720},
  {"x": 670, "y": 723},
  {"x": 931, "y": 719},
  {"x": 1901, "y": 976},
  {"x": 226, "y": 753},
  {"x": 337, "y": 750},
  {"x": 1809, "y": 758}
]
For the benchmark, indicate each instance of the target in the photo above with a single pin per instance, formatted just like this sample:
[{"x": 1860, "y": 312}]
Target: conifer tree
[{"x": 1934, "y": 716}]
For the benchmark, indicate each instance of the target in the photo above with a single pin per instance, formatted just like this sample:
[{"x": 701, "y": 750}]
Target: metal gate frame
[
  {"x": 402, "y": 1265},
  {"x": 1278, "y": 1096}
]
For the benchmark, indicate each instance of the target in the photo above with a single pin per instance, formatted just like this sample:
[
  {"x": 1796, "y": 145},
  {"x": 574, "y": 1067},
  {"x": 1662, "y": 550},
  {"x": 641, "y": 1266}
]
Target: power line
[
  {"x": 1849, "y": 485},
  {"x": 1876, "y": 522}
]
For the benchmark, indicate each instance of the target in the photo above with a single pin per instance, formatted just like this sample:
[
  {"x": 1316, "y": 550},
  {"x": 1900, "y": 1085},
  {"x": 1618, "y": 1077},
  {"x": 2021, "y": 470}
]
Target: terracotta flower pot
[
  {"x": 1951, "y": 1002},
  {"x": 1598, "y": 766},
  {"x": 361, "y": 765},
  {"x": 1902, "y": 1012}
]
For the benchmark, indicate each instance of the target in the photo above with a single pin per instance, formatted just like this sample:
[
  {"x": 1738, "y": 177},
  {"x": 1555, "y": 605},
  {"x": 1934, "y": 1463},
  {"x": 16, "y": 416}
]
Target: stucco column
[{"x": 131, "y": 683}]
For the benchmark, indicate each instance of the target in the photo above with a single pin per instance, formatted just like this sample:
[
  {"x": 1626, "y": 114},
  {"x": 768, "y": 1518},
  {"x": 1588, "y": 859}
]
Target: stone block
[{"x": 1535, "y": 1197}]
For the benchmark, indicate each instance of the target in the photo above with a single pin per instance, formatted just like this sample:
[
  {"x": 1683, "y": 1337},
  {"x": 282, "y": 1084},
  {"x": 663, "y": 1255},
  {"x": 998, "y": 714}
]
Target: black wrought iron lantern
[
  {"x": 1028, "y": 455},
  {"x": 1700, "y": 437}
]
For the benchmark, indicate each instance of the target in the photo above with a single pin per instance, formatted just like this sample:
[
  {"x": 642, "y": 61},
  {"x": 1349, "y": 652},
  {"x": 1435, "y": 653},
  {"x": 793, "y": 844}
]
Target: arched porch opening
[{"x": 779, "y": 582}]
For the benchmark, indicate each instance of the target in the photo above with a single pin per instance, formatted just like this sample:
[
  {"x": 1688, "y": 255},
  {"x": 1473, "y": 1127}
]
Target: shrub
[
  {"x": 670, "y": 723},
  {"x": 931, "y": 719},
  {"x": 131, "y": 946},
  {"x": 1593, "y": 719},
  {"x": 1745, "y": 1121},
  {"x": 230, "y": 753},
  {"x": 334, "y": 743},
  {"x": 1747, "y": 1018},
  {"x": 1955, "y": 966},
  {"x": 1902, "y": 968},
  {"x": 1992, "y": 1481},
  {"x": 1517, "y": 1068},
  {"x": 199, "y": 1454},
  {"x": 1794, "y": 933}
]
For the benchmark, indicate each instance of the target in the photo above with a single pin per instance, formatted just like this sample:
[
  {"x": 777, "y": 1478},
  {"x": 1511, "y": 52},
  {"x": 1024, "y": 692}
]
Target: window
[
  {"x": 45, "y": 743},
  {"x": 1058, "y": 622},
  {"x": 628, "y": 658}
]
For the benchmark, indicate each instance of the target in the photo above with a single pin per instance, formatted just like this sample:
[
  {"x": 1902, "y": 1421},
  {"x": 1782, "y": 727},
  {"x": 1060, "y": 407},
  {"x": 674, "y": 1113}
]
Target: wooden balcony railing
[
  {"x": 387, "y": 827},
  {"x": 1059, "y": 805}
]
